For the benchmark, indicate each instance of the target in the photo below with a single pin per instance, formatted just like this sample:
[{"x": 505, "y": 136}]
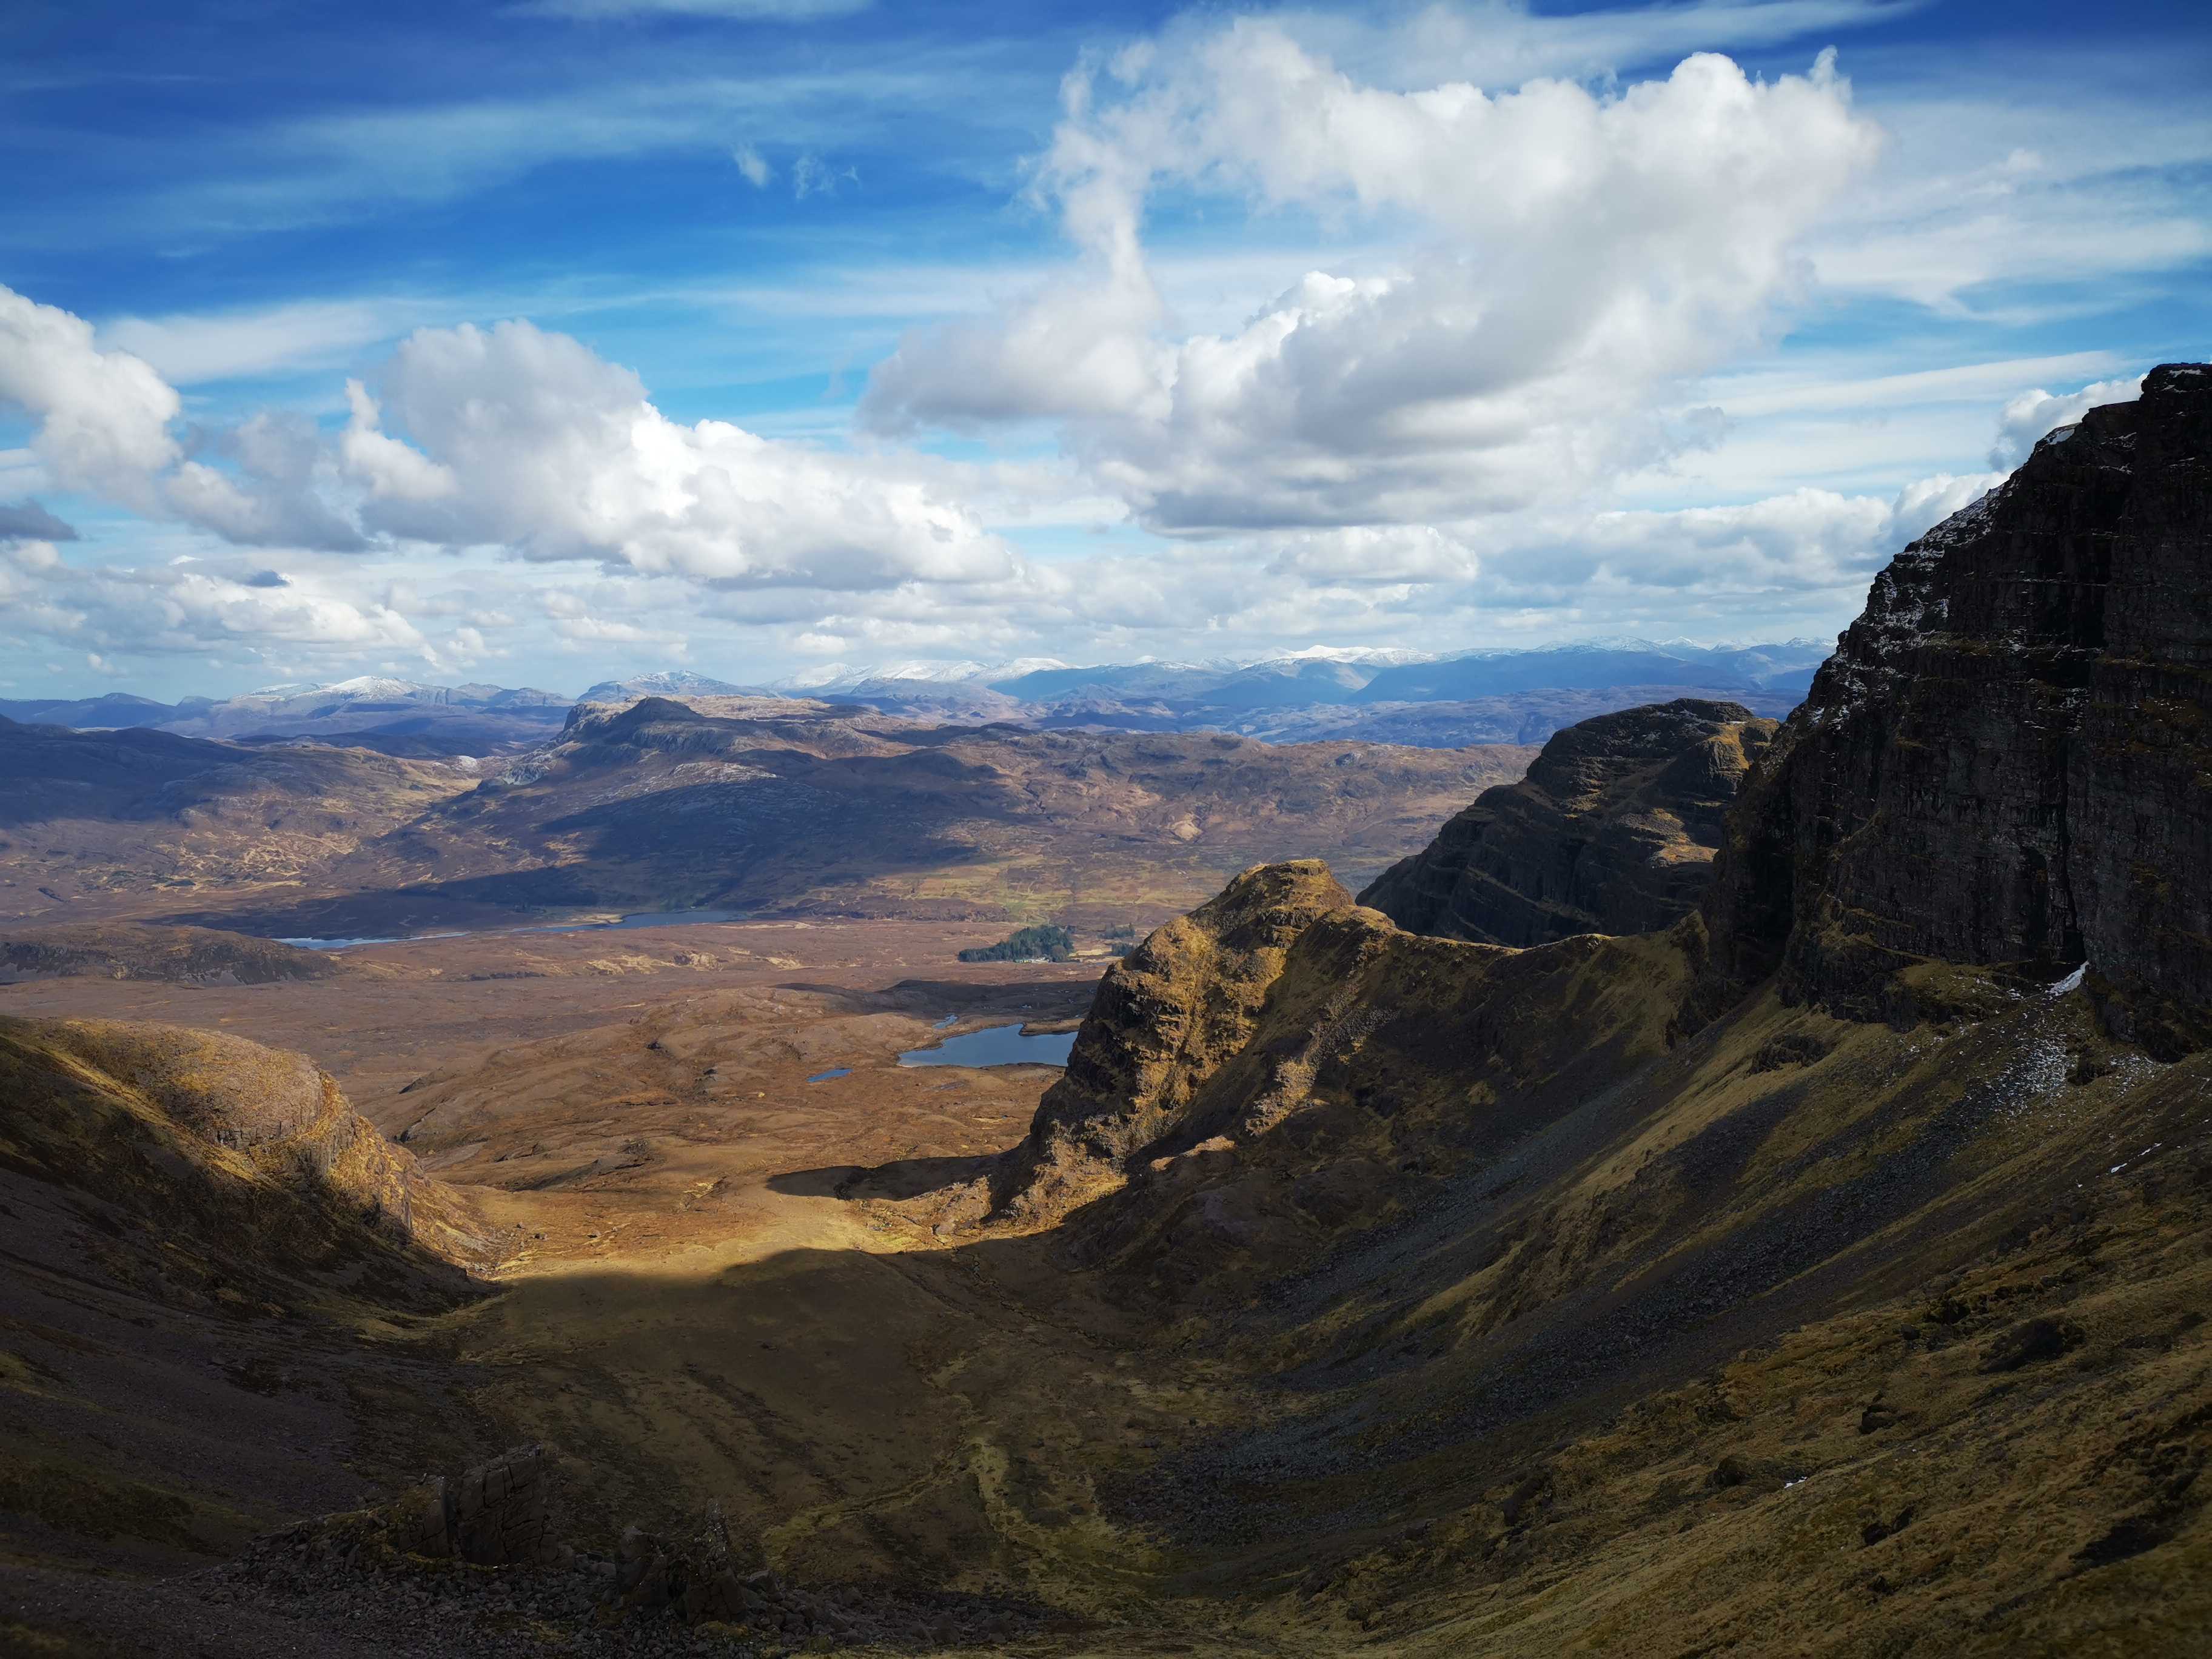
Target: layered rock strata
[
  {"x": 1612, "y": 832},
  {"x": 2006, "y": 762}
]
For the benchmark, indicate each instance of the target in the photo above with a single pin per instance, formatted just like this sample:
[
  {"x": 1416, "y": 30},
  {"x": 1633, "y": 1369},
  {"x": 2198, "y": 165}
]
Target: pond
[
  {"x": 824, "y": 1076},
  {"x": 995, "y": 1045}
]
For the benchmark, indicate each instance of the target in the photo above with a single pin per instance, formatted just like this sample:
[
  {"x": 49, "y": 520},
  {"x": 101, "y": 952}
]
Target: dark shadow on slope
[{"x": 901, "y": 1178}]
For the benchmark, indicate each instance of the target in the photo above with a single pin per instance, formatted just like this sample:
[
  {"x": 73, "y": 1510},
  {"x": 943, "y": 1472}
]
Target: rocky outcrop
[
  {"x": 2005, "y": 763},
  {"x": 1166, "y": 1016},
  {"x": 511, "y": 1514},
  {"x": 495, "y": 1514},
  {"x": 1612, "y": 832},
  {"x": 1281, "y": 1018}
]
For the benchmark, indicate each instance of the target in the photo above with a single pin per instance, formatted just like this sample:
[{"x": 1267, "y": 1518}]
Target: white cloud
[
  {"x": 105, "y": 420},
  {"x": 387, "y": 467},
  {"x": 103, "y": 416},
  {"x": 184, "y": 609},
  {"x": 2027, "y": 418},
  {"x": 1505, "y": 43},
  {"x": 521, "y": 438},
  {"x": 558, "y": 454},
  {"x": 193, "y": 349},
  {"x": 812, "y": 176},
  {"x": 753, "y": 164},
  {"x": 1580, "y": 260}
]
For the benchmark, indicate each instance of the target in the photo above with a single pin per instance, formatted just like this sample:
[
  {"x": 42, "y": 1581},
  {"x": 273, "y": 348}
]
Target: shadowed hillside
[
  {"x": 204, "y": 1244},
  {"x": 89, "y": 816},
  {"x": 1612, "y": 832}
]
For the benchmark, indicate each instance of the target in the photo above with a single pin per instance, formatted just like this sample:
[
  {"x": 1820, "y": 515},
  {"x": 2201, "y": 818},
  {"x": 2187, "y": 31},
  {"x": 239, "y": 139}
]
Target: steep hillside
[
  {"x": 203, "y": 1239},
  {"x": 1612, "y": 832}
]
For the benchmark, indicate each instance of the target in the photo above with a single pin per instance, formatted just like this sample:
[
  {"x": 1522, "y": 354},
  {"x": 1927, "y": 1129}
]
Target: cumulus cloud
[
  {"x": 1780, "y": 550},
  {"x": 2027, "y": 418},
  {"x": 511, "y": 436},
  {"x": 102, "y": 416},
  {"x": 1580, "y": 259},
  {"x": 186, "y": 609},
  {"x": 528, "y": 440},
  {"x": 105, "y": 425}
]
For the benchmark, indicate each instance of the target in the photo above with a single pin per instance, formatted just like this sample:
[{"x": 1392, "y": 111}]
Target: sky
[{"x": 541, "y": 341}]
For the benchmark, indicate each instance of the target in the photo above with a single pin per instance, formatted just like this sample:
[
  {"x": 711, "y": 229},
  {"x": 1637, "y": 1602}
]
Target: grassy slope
[
  {"x": 1518, "y": 1332},
  {"x": 204, "y": 1245}
]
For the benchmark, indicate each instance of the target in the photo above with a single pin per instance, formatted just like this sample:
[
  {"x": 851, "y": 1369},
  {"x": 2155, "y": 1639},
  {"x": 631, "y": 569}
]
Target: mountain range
[{"x": 1323, "y": 693}]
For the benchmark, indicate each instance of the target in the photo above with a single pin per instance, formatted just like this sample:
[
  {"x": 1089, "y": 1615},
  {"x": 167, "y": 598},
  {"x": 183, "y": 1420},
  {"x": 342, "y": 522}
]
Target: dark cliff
[
  {"x": 2006, "y": 762},
  {"x": 1612, "y": 832}
]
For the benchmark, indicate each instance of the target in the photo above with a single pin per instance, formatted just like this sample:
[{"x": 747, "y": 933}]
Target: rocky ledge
[{"x": 1612, "y": 832}]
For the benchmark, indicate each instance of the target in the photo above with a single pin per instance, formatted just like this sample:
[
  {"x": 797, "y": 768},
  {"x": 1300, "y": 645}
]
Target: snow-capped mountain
[{"x": 668, "y": 682}]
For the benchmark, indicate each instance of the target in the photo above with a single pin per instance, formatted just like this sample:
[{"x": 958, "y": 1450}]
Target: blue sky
[{"x": 756, "y": 335}]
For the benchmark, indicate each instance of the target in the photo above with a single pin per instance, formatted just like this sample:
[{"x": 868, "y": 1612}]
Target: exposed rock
[
  {"x": 1612, "y": 832},
  {"x": 1165, "y": 1016},
  {"x": 497, "y": 1514},
  {"x": 507, "y": 1514},
  {"x": 2005, "y": 763},
  {"x": 1245, "y": 1078}
]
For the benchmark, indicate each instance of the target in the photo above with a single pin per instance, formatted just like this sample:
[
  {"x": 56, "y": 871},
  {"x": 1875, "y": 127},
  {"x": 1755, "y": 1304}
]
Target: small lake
[
  {"x": 995, "y": 1045},
  {"x": 643, "y": 919},
  {"x": 824, "y": 1076}
]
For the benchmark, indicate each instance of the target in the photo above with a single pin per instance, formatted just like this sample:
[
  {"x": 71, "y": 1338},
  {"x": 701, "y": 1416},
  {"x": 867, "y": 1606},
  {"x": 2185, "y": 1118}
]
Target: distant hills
[
  {"x": 1383, "y": 696},
  {"x": 392, "y": 716},
  {"x": 1322, "y": 693}
]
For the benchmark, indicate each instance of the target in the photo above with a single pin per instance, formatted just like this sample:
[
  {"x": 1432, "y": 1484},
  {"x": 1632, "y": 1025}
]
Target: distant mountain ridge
[
  {"x": 370, "y": 711},
  {"x": 1317, "y": 694}
]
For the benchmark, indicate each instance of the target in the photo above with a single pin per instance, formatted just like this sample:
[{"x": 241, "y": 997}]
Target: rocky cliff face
[
  {"x": 1612, "y": 832},
  {"x": 2006, "y": 762},
  {"x": 1281, "y": 1019},
  {"x": 1166, "y": 1017}
]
